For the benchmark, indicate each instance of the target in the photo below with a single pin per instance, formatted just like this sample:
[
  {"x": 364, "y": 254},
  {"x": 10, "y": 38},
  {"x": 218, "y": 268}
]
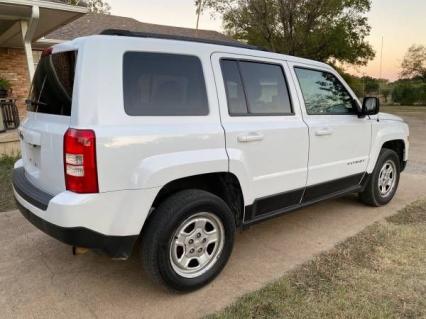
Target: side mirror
[{"x": 370, "y": 105}]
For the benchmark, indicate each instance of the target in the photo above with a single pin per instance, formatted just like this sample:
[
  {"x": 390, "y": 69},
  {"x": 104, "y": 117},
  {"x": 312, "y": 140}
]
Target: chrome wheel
[
  {"x": 196, "y": 245},
  {"x": 387, "y": 178}
]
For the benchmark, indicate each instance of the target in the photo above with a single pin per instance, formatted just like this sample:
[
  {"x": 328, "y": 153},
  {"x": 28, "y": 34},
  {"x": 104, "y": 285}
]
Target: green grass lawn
[
  {"x": 379, "y": 273},
  {"x": 7, "y": 201}
]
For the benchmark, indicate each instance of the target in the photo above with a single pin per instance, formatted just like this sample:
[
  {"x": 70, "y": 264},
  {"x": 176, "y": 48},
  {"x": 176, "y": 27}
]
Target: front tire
[
  {"x": 188, "y": 240},
  {"x": 384, "y": 180}
]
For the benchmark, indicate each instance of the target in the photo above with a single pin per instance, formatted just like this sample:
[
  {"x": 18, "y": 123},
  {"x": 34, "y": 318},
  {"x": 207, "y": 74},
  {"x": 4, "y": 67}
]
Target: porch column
[{"x": 27, "y": 31}]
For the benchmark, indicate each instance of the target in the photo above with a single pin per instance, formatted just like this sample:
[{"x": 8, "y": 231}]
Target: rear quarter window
[{"x": 159, "y": 84}]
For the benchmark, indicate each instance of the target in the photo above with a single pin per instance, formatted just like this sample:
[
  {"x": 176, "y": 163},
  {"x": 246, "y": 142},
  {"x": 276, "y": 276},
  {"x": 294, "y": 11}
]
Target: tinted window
[
  {"x": 234, "y": 87},
  {"x": 324, "y": 93},
  {"x": 265, "y": 88},
  {"x": 163, "y": 84},
  {"x": 53, "y": 82},
  {"x": 255, "y": 88}
]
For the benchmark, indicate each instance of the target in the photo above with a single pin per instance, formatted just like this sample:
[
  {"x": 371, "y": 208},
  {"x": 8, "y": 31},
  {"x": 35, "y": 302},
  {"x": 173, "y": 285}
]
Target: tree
[
  {"x": 95, "y": 6},
  {"x": 353, "y": 81},
  {"x": 372, "y": 85},
  {"x": 386, "y": 92},
  {"x": 324, "y": 30},
  {"x": 414, "y": 63}
]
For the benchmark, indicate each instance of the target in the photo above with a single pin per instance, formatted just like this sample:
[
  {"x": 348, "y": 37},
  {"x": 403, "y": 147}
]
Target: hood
[{"x": 389, "y": 117}]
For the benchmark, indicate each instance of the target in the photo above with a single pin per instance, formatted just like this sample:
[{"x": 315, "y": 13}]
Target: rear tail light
[{"x": 81, "y": 174}]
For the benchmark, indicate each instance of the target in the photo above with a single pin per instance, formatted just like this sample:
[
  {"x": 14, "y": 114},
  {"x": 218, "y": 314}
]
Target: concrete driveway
[{"x": 39, "y": 278}]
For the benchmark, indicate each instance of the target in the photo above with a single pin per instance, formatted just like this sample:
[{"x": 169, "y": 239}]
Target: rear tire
[
  {"x": 384, "y": 180},
  {"x": 188, "y": 240}
]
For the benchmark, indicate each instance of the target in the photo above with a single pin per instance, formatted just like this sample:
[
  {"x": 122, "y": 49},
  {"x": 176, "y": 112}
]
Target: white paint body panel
[
  {"x": 120, "y": 213},
  {"x": 344, "y": 149},
  {"x": 343, "y": 153},
  {"x": 386, "y": 130},
  {"x": 42, "y": 137},
  {"x": 138, "y": 155},
  {"x": 278, "y": 162}
]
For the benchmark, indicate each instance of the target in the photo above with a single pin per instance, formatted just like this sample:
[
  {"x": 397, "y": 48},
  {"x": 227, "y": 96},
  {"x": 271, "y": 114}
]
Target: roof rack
[{"x": 128, "y": 33}]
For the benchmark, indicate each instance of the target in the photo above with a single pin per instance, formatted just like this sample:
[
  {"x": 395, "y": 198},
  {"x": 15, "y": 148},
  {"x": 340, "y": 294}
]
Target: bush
[
  {"x": 4, "y": 84},
  {"x": 409, "y": 93},
  {"x": 422, "y": 93},
  {"x": 7, "y": 200}
]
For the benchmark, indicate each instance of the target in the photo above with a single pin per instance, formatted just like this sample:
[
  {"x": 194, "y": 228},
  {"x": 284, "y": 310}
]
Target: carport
[{"x": 24, "y": 23}]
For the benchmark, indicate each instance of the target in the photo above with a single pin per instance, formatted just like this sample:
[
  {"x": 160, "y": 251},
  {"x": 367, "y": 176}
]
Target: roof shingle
[{"x": 91, "y": 24}]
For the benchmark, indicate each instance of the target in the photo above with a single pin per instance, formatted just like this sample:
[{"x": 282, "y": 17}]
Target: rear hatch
[{"x": 49, "y": 112}]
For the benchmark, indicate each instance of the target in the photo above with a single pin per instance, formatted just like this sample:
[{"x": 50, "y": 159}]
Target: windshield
[{"x": 53, "y": 82}]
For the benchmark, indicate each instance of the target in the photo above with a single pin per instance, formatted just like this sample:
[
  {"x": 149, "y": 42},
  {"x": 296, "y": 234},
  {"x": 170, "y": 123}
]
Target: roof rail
[{"x": 128, "y": 33}]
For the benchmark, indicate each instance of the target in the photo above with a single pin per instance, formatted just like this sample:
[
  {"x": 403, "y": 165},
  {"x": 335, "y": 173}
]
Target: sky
[{"x": 401, "y": 23}]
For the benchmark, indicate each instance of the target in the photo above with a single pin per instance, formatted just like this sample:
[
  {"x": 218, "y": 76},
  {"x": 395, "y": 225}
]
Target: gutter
[
  {"x": 47, "y": 5},
  {"x": 44, "y": 43}
]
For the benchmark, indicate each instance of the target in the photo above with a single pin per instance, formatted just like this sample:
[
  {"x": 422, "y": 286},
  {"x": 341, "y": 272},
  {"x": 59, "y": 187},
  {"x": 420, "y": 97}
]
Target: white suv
[{"x": 181, "y": 142}]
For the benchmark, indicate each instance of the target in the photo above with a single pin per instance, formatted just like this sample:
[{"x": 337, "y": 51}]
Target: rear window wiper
[{"x": 34, "y": 103}]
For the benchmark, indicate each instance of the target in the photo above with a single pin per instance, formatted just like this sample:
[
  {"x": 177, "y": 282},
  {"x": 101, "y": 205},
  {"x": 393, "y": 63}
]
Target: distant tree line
[
  {"x": 409, "y": 89},
  {"x": 330, "y": 31},
  {"x": 409, "y": 92}
]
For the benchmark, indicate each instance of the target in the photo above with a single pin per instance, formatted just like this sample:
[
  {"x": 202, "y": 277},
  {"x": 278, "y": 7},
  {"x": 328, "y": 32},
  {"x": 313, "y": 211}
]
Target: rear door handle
[
  {"x": 250, "y": 137},
  {"x": 324, "y": 131}
]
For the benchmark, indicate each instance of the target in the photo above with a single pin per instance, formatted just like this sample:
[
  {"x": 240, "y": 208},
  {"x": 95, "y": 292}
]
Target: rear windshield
[{"x": 53, "y": 82}]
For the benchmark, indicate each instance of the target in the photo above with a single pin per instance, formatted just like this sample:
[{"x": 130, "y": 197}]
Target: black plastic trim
[
  {"x": 114, "y": 246},
  {"x": 28, "y": 191},
  {"x": 403, "y": 166},
  {"x": 323, "y": 189},
  {"x": 335, "y": 188},
  {"x": 128, "y": 33},
  {"x": 269, "y": 205}
]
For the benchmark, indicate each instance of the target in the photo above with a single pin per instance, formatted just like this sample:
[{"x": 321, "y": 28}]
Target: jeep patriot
[{"x": 180, "y": 141}]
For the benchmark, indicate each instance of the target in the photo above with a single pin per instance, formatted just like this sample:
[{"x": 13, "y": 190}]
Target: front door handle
[
  {"x": 324, "y": 131},
  {"x": 250, "y": 137}
]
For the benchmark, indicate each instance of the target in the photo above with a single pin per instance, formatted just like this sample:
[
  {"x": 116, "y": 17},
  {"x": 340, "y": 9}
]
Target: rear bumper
[
  {"x": 68, "y": 217},
  {"x": 28, "y": 191},
  {"x": 113, "y": 246}
]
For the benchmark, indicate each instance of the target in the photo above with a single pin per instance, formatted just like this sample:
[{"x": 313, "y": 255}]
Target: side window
[
  {"x": 324, "y": 93},
  {"x": 255, "y": 88},
  {"x": 266, "y": 89},
  {"x": 234, "y": 88},
  {"x": 157, "y": 84}
]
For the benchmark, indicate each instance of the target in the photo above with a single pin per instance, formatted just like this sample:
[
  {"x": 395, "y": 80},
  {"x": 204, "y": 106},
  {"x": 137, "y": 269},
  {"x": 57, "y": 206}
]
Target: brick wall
[{"x": 13, "y": 67}]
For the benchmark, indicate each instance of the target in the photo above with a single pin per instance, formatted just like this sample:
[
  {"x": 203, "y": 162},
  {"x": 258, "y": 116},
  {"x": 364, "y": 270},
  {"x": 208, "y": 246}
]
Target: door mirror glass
[{"x": 370, "y": 106}]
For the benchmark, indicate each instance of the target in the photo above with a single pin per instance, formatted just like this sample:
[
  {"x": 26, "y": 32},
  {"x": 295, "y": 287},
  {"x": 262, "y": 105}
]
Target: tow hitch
[{"x": 79, "y": 250}]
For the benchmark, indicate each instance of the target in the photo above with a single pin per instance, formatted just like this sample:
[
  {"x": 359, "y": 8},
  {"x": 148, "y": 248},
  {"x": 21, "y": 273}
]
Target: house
[
  {"x": 22, "y": 24},
  {"x": 28, "y": 27}
]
